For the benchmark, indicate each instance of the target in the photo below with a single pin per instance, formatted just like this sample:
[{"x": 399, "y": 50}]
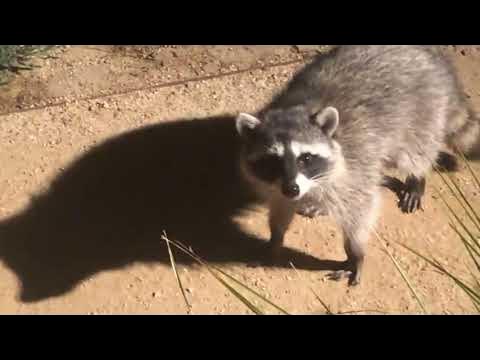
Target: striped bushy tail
[{"x": 464, "y": 139}]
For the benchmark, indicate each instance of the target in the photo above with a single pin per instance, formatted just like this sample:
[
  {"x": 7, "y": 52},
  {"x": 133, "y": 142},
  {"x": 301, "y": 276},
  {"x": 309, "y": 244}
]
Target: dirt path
[{"x": 89, "y": 243}]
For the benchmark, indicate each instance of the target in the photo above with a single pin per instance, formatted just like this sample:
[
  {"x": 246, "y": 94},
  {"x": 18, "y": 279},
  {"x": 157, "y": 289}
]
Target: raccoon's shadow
[{"x": 110, "y": 207}]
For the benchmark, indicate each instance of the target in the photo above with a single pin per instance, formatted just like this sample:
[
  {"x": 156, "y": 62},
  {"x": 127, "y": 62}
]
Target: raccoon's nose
[{"x": 291, "y": 190}]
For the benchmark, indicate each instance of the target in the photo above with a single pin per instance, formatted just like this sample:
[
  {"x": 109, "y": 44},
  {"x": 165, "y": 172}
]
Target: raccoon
[{"x": 324, "y": 142}]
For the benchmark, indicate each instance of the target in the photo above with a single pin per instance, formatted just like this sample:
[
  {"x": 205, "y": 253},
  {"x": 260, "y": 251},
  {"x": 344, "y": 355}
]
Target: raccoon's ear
[
  {"x": 327, "y": 119},
  {"x": 246, "y": 123}
]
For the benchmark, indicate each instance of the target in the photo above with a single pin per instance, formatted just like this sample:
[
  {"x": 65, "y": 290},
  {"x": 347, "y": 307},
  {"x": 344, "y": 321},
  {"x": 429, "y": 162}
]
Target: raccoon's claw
[
  {"x": 411, "y": 196},
  {"x": 411, "y": 202},
  {"x": 339, "y": 275},
  {"x": 410, "y": 193},
  {"x": 349, "y": 271},
  {"x": 353, "y": 277}
]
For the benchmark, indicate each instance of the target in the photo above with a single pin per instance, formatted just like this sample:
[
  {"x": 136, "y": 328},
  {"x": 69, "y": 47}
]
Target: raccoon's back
[
  {"x": 376, "y": 79},
  {"x": 382, "y": 93}
]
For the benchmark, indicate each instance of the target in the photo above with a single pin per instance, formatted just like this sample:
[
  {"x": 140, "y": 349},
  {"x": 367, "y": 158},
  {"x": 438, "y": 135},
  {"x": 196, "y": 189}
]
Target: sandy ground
[{"x": 104, "y": 148}]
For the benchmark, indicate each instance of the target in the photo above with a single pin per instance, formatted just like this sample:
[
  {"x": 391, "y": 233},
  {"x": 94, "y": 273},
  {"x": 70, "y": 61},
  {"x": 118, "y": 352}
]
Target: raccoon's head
[{"x": 291, "y": 150}]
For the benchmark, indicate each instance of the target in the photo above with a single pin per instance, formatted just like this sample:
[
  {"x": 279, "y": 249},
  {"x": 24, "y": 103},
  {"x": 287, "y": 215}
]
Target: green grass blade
[
  {"x": 324, "y": 304},
  {"x": 477, "y": 307},
  {"x": 239, "y": 296},
  {"x": 174, "y": 267},
  {"x": 362, "y": 311},
  {"x": 198, "y": 259},
  {"x": 470, "y": 249},
  {"x": 470, "y": 170},
  {"x": 467, "y": 289},
  {"x": 212, "y": 270},
  {"x": 402, "y": 273},
  {"x": 472, "y": 211},
  {"x": 454, "y": 214},
  {"x": 473, "y": 218},
  {"x": 251, "y": 290},
  {"x": 477, "y": 281},
  {"x": 15, "y": 58}
]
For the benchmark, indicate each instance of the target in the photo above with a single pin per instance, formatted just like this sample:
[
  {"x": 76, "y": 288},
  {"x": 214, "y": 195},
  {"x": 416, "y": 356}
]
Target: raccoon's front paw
[
  {"x": 412, "y": 194},
  {"x": 311, "y": 211}
]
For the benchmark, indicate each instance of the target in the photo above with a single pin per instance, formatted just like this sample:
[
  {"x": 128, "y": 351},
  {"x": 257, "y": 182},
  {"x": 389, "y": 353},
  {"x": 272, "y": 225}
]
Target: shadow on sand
[{"x": 110, "y": 207}]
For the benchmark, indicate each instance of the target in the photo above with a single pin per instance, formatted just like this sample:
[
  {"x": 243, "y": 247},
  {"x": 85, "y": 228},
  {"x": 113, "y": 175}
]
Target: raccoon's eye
[{"x": 305, "y": 158}]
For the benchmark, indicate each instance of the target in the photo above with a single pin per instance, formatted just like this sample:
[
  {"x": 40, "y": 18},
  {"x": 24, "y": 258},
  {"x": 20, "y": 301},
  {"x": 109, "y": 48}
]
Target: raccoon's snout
[{"x": 291, "y": 189}]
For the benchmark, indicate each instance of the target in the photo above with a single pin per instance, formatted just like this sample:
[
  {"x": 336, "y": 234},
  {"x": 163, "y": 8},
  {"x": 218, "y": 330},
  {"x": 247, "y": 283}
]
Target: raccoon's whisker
[{"x": 321, "y": 176}]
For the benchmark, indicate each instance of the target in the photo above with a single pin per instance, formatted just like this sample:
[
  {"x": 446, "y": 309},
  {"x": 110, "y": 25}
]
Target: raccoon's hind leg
[{"x": 357, "y": 226}]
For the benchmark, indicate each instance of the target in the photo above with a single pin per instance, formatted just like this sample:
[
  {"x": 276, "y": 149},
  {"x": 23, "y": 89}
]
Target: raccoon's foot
[
  {"x": 352, "y": 271},
  {"x": 352, "y": 267},
  {"x": 339, "y": 275},
  {"x": 352, "y": 276},
  {"x": 412, "y": 194}
]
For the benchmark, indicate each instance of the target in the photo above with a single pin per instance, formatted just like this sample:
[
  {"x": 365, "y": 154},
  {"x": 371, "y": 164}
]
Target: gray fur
[{"x": 398, "y": 106}]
